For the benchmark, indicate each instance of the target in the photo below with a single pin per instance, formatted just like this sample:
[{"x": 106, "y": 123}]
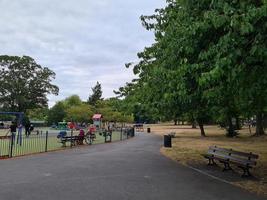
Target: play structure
[
  {"x": 61, "y": 126},
  {"x": 97, "y": 120}
]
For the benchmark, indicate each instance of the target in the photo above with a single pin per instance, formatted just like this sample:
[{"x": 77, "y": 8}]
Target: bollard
[
  {"x": 148, "y": 130},
  {"x": 46, "y": 140},
  {"x": 167, "y": 141},
  {"x": 132, "y": 132}
]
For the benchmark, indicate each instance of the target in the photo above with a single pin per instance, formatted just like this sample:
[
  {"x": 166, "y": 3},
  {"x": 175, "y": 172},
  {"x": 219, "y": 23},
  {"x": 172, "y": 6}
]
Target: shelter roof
[{"x": 97, "y": 116}]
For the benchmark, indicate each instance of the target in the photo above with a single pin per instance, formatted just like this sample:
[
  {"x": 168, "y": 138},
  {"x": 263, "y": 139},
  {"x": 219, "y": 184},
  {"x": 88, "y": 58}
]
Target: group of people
[
  {"x": 13, "y": 129},
  {"x": 91, "y": 131},
  {"x": 28, "y": 129}
]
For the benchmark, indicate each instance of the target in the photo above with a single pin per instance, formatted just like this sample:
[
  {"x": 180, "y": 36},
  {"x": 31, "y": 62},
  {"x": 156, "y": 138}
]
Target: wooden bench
[
  {"x": 5, "y": 137},
  {"x": 139, "y": 127},
  {"x": 228, "y": 157},
  {"x": 74, "y": 140}
]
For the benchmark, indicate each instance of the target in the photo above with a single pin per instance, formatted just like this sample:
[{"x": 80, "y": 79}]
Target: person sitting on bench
[
  {"x": 91, "y": 132},
  {"x": 81, "y": 137}
]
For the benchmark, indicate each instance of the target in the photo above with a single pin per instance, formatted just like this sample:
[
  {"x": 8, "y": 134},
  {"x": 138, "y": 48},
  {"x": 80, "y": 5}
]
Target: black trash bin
[
  {"x": 132, "y": 132},
  {"x": 167, "y": 141},
  {"x": 148, "y": 130}
]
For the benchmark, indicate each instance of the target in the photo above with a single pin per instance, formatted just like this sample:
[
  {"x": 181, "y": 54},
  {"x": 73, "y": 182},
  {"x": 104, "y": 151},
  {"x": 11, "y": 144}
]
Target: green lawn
[{"x": 37, "y": 143}]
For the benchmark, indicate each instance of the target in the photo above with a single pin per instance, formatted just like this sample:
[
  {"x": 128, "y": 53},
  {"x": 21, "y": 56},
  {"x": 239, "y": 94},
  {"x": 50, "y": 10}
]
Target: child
[
  {"x": 12, "y": 130},
  {"x": 81, "y": 137},
  {"x": 91, "y": 132}
]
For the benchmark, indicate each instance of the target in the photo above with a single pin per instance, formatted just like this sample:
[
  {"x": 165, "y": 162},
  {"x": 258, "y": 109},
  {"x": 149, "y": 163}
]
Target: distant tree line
[
  {"x": 73, "y": 109},
  {"x": 26, "y": 84}
]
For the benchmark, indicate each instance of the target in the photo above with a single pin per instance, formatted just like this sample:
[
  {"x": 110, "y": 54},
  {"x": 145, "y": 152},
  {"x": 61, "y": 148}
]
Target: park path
[{"x": 132, "y": 169}]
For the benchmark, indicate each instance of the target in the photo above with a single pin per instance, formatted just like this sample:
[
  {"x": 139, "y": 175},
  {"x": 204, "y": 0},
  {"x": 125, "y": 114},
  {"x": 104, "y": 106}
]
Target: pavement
[{"x": 131, "y": 169}]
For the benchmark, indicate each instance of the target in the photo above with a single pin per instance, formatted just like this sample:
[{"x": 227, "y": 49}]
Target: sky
[{"x": 82, "y": 41}]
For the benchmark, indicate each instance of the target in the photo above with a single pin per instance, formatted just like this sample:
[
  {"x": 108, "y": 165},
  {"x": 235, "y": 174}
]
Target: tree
[
  {"x": 97, "y": 94},
  {"x": 24, "y": 83},
  {"x": 73, "y": 100},
  {"x": 38, "y": 114},
  {"x": 208, "y": 62},
  {"x": 57, "y": 113},
  {"x": 79, "y": 113},
  {"x": 112, "y": 110},
  {"x": 235, "y": 72}
]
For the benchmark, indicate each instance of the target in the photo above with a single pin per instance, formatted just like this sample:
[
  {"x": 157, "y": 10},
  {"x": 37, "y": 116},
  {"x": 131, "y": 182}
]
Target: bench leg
[
  {"x": 73, "y": 142},
  {"x": 246, "y": 172},
  {"x": 226, "y": 167},
  {"x": 211, "y": 162}
]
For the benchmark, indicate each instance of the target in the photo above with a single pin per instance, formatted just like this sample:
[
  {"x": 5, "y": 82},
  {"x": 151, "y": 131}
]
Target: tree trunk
[
  {"x": 201, "y": 126},
  {"x": 194, "y": 124},
  {"x": 259, "y": 124},
  {"x": 175, "y": 122},
  {"x": 231, "y": 130},
  {"x": 265, "y": 121},
  {"x": 238, "y": 124}
]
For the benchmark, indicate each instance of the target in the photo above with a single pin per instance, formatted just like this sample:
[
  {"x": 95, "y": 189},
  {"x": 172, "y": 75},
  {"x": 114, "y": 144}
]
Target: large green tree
[
  {"x": 208, "y": 62},
  {"x": 79, "y": 113},
  {"x": 73, "y": 100},
  {"x": 24, "y": 83},
  {"x": 57, "y": 113},
  {"x": 96, "y": 94}
]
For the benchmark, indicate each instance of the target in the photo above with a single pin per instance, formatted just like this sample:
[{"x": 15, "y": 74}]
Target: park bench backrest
[{"x": 232, "y": 153}]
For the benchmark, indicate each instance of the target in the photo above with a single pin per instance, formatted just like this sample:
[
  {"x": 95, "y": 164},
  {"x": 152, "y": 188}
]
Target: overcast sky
[{"x": 83, "y": 41}]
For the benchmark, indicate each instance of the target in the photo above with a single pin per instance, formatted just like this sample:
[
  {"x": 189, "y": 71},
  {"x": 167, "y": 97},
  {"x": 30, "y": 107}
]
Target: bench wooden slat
[
  {"x": 232, "y": 158},
  {"x": 244, "y": 154}
]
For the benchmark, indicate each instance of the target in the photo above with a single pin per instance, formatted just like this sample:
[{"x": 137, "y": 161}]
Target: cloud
[{"x": 82, "y": 41}]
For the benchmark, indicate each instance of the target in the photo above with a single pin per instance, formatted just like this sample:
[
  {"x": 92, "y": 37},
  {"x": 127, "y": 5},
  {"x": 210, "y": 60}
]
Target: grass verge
[{"x": 188, "y": 146}]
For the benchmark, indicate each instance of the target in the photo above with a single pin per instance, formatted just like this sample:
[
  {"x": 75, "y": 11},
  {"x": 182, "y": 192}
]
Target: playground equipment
[
  {"x": 97, "y": 120},
  {"x": 62, "y": 126}
]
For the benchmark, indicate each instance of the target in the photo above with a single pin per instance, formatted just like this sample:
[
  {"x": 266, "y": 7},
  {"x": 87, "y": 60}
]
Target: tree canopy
[
  {"x": 24, "y": 83},
  {"x": 208, "y": 62},
  {"x": 96, "y": 95}
]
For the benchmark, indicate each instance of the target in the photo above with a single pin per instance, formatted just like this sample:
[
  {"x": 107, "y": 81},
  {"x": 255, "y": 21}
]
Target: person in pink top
[{"x": 91, "y": 131}]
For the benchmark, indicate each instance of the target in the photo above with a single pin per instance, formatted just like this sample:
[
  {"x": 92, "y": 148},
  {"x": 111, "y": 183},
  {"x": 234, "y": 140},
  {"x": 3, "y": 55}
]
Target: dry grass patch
[{"x": 188, "y": 146}]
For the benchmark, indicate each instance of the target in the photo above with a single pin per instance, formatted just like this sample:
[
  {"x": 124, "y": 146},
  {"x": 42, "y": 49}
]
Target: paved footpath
[{"x": 132, "y": 169}]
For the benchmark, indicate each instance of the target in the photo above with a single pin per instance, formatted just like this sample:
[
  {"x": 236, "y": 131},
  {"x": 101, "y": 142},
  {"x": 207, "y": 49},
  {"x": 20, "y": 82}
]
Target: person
[
  {"x": 91, "y": 132},
  {"x": 71, "y": 125},
  {"x": 12, "y": 130},
  {"x": 31, "y": 128},
  {"x": 27, "y": 129},
  {"x": 81, "y": 137}
]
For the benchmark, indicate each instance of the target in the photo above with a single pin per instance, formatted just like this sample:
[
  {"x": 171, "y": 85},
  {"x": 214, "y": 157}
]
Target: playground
[
  {"x": 25, "y": 140},
  {"x": 44, "y": 143}
]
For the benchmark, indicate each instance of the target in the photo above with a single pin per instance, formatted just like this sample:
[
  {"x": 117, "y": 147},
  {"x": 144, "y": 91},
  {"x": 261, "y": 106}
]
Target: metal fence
[{"x": 44, "y": 141}]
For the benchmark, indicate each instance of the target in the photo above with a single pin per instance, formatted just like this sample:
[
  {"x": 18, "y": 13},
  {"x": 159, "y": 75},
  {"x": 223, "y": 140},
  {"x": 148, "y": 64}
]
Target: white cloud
[{"x": 82, "y": 41}]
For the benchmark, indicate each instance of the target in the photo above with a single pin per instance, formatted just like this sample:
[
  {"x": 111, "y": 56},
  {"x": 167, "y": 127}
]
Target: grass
[
  {"x": 36, "y": 143},
  {"x": 188, "y": 146}
]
